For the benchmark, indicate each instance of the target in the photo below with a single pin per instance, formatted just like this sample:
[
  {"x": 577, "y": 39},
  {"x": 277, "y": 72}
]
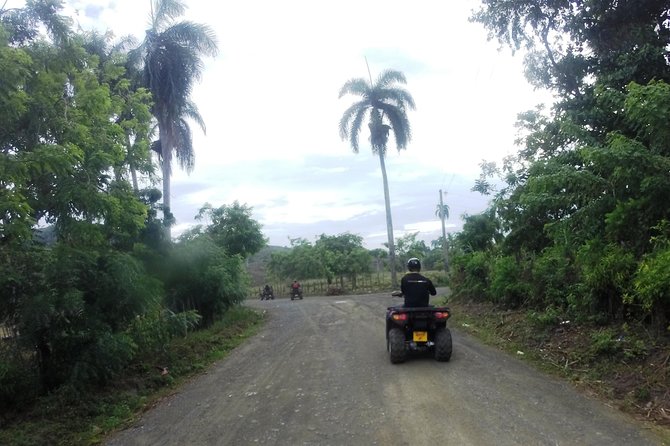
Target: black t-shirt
[{"x": 416, "y": 289}]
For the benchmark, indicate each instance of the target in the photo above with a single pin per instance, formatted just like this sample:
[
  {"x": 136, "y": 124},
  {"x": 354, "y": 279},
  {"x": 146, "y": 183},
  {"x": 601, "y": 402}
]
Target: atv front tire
[
  {"x": 396, "y": 346},
  {"x": 443, "y": 345}
]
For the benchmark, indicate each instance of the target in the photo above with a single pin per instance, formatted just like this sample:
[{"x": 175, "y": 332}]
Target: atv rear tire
[
  {"x": 443, "y": 345},
  {"x": 396, "y": 346}
]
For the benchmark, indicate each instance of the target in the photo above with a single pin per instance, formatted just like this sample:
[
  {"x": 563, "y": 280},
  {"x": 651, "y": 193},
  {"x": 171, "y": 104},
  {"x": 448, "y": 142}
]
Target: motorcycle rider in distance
[
  {"x": 415, "y": 287},
  {"x": 296, "y": 289}
]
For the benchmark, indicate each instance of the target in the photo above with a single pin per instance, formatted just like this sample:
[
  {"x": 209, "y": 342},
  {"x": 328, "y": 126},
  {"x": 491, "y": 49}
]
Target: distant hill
[{"x": 256, "y": 265}]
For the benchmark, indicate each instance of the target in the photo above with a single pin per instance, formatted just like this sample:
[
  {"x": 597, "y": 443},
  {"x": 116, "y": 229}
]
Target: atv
[
  {"x": 417, "y": 329},
  {"x": 296, "y": 293}
]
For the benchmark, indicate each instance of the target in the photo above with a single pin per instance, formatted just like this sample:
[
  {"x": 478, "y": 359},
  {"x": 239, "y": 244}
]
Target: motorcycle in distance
[
  {"x": 267, "y": 294},
  {"x": 296, "y": 293},
  {"x": 417, "y": 329}
]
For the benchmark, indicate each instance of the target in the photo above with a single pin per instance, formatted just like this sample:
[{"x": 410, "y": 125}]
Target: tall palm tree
[
  {"x": 171, "y": 55},
  {"x": 442, "y": 211},
  {"x": 385, "y": 105}
]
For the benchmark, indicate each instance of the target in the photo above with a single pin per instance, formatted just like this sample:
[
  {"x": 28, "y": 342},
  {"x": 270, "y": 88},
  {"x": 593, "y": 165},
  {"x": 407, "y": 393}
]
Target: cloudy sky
[{"x": 270, "y": 103}]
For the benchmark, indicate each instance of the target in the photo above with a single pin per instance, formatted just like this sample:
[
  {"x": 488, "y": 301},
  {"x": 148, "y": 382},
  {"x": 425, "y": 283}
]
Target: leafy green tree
[
  {"x": 343, "y": 256},
  {"x": 584, "y": 199},
  {"x": 232, "y": 228},
  {"x": 408, "y": 246},
  {"x": 135, "y": 113},
  {"x": 302, "y": 261},
  {"x": 171, "y": 54},
  {"x": 385, "y": 105},
  {"x": 200, "y": 275},
  {"x": 72, "y": 296}
]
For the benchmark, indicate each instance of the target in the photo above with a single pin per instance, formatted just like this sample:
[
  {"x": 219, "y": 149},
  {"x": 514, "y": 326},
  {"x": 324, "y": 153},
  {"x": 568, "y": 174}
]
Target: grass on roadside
[
  {"x": 72, "y": 417},
  {"x": 620, "y": 364}
]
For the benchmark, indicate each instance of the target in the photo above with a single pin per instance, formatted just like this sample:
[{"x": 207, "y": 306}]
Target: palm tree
[
  {"x": 385, "y": 105},
  {"x": 171, "y": 55},
  {"x": 442, "y": 211}
]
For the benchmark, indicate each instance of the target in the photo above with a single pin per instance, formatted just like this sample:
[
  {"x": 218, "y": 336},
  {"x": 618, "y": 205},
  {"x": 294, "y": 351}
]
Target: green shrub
[
  {"x": 606, "y": 274},
  {"x": 605, "y": 342},
  {"x": 553, "y": 276},
  {"x": 18, "y": 382},
  {"x": 469, "y": 276},
  {"x": 153, "y": 331},
  {"x": 550, "y": 317},
  {"x": 201, "y": 276},
  {"x": 439, "y": 278},
  {"x": 652, "y": 286},
  {"x": 507, "y": 284}
]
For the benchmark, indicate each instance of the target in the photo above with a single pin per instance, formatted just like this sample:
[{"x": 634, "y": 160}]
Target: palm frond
[
  {"x": 170, "y": 72},
  {"x": 399, "y": 123},
  {"x": 442, "y": 211},
  {"x": 199, "y": 38},
  {"x": 355, "y": 128},
  {"x": 347, "y": 117},
  {"x": 125, "y": 44},
  {"x": 190, "y": 111},
  {"x": 164, "y": 11},
  {"x": 357, "y": 86},
  {"x": 388, "y": 77},
  {"x": 397, "y": 96},
  {"x": 184, "y": 146}
]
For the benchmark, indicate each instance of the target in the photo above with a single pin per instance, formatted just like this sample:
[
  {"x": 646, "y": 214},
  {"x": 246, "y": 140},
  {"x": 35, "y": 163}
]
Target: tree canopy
[
  {"x": 88, "y": 282},
  {"x": 581, "y": 217}
]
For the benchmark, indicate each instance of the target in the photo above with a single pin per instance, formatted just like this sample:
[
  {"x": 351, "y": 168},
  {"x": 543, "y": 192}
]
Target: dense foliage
[
  {"x": 343, "y": 256},
  {"x": 580, "y": 221},
  {"x": 332, "y": 257},
  {"x": 87, "y": 279}
]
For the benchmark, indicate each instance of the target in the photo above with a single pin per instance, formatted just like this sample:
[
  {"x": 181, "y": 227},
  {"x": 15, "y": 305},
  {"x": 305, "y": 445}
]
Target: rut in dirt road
[{"x": 319, "y": 374}]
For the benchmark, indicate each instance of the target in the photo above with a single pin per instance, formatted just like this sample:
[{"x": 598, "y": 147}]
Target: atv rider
[
  {"x": 296, "y": 289},
  {"x": 415, "y": 287}
]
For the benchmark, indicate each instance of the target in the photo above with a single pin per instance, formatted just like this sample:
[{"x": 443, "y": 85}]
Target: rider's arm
[{"x": 431, "y": 288}]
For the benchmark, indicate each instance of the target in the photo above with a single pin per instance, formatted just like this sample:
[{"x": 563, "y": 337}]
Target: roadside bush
[
  {"x": 548, "y": 318},
  {"x": 75, "y": 323},
  {"x": 606, "y": 272},
  {"x": 153, "y": 331},
  {"x": 553, "y": 275},
  {"x": 439, "y": 278},
  {"x": 652, "y": 286},
  {"x": 470, "y": 275},
  {"x": 507, "y": 285},
  {"x": 18, "y": 382},
  {"x": 201, "y": 276}
]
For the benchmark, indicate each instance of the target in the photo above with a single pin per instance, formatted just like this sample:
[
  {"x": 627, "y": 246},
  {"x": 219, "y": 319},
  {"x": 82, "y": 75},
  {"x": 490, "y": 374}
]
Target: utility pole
[{"x": 443, "y": 215}]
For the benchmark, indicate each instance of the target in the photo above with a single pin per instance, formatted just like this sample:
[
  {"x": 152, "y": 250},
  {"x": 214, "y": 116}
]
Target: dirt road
[{"x": 319, "y": 374}]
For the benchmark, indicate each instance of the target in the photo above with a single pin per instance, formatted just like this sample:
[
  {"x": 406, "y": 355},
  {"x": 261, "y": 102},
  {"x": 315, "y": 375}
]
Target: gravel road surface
[{"x": 318, "y": 374}]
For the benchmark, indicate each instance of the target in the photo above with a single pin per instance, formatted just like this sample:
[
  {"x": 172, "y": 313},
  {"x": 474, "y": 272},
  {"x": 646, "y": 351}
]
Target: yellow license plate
[{"x": 420, "y": 336}]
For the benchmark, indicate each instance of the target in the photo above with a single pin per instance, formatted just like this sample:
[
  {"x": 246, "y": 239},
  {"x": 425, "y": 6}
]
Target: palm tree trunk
[
  {"x": 131, "y": 163},
  {"x": 166, "y": 157},
  {"x": 389, "y": 221},
  {"x": 444, "y": 234}
]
